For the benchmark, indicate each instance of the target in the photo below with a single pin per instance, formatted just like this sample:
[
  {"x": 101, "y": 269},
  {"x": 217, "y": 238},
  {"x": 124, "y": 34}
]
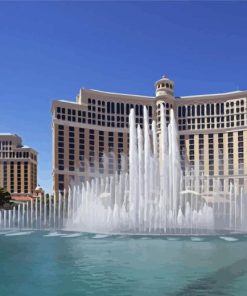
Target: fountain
[{"x": 154, "y": 195}]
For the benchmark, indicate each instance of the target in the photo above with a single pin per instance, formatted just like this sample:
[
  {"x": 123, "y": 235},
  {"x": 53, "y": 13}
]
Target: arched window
[
  {"x": 184, "y": 111},
  {"x": 198, "y": 110},
  {"x": 212, "y": 109},
  {"x": 218, "y": 109},
  {"x": 208, "y": 109},
  {"x": 193, "y": 110},
  {"x": 203, "y": 110},
  {"x": 112, "y": 107},
  {"x": 118, "y": 108},
  {"x": 222, "y": 108},
  {"x": 188, "y": 110},
  {"x": 141, "y": 110},
  {"x": 136, "y": 109},
  {"x": 167, "y": 85},
  {"x": 122, "y": 108},
  {"x": 108, "y": 107},
  {"x": 127, "y": 109}
]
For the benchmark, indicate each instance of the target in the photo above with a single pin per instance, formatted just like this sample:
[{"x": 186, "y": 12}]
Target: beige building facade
[
  {"x": 18, "y": 166},
  {"x": 212, "y": 133}
]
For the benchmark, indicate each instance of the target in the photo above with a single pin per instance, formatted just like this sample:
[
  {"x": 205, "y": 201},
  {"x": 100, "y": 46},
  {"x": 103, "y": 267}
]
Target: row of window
[
  {"x": 18, "y": 155},
  {"x": 167, "y": 108},
  {"x": 211, "y": 122},
  {"x": 16, "y": 184},
  {"x": 215, "y": 184},
  {"x": 116, "y": 115},
  {"x": 214, "y": 139},
  {"x": 211, "y": 109},
  {"x": 167, "y": 85},
  {"x": 91, "y": 158},
  {"x": 116, "y": 108},
  {"x": 5, "y": 145}
]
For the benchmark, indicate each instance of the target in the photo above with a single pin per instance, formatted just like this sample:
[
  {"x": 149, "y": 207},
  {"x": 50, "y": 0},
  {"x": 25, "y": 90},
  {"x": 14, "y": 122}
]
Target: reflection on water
[{"x": 217, "y": 282}]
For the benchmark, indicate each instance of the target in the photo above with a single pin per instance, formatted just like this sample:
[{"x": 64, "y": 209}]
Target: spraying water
[{"x": 154, "y": 195}]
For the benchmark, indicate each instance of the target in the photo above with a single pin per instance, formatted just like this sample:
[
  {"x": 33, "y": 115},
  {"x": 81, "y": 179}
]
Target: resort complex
[
  {"x": 130, "y": 163},
  {"x": 91, "y": 134},
  {"x": 18, "y": 167}
]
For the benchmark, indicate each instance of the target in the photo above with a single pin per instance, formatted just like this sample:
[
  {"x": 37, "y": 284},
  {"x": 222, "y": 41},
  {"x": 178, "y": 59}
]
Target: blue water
[{"x": 42, "y": 263}]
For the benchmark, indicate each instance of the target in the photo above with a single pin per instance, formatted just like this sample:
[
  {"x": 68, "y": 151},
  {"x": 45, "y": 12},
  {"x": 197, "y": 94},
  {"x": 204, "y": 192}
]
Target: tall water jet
[
  {"x": 157, "y": 197},
  {"x": 151, "y": 193}
]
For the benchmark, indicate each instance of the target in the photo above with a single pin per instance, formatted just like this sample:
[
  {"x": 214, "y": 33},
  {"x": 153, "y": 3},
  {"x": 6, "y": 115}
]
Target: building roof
[
  {"x": 9, "y": 134},
  {"x": 21, "y": 197},
  {"x": 214, "y": 95},
  {"x": 117, "y": 94},
  {"x": 67, "y": 101}
]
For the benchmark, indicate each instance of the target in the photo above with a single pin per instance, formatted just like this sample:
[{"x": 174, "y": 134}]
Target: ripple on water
[
  {"x": 173, "y": 238},
  {"x": 101, "y": 235},
  {"x": 5, "y": 232},
  {"x": 54, "y": 234},
  {"x": 197, "y": 239},
  {"x": 229, "y": 238},
  {"x": 20, "y": 233},
  {"x": 72, "y": 235}
]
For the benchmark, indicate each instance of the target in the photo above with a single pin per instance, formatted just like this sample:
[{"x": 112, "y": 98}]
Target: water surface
[{"x": 42, "y": 263}]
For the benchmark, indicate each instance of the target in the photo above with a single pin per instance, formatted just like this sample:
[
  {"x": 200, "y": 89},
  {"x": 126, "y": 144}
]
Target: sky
[{"x": 49, "y": 50}]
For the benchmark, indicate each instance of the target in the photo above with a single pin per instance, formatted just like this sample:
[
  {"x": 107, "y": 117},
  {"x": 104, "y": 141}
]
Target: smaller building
[{"x": 18, "y": 167}]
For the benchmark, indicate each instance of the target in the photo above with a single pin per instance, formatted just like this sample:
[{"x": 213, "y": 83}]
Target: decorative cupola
[
  {"x": 39, "y": 192},
  {"x": 164, "y": 87}
]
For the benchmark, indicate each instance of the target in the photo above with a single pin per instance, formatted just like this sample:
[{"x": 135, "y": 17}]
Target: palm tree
[{"x": 5, "y": 198}]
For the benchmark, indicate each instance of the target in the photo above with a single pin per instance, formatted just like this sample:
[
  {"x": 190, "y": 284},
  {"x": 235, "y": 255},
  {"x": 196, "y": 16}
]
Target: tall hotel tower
[
  {"x": 212, "y": 133},
  {"x": 18, "y": 166}
]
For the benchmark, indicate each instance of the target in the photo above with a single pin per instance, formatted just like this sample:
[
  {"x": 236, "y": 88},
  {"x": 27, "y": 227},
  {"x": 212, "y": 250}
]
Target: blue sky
[{"x": 48, "y": 50}]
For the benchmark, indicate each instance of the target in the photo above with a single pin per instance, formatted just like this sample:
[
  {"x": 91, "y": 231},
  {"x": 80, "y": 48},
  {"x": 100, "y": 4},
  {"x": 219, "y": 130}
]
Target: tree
[{"x": 5, "y": 198}]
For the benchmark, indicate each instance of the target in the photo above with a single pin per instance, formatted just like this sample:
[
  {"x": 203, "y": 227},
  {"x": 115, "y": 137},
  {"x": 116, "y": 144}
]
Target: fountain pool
[{"x": 69, "y": 263}]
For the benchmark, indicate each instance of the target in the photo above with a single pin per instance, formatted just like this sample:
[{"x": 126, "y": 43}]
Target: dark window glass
[
  {"x": 112, "y": 107},
  {"x": 108, "y": 107},
  {"x": 208, "y": 109}
]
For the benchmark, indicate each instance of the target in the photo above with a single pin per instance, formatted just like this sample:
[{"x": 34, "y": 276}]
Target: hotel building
[
  {"x": 212, "y": 133},
  {"x": 18, "y": 166}
]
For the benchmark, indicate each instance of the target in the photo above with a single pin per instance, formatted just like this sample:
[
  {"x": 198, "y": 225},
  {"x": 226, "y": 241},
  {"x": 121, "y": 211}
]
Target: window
[
  {"x": 198, "y": 110},
  {"x": 208, "y": 109},
  {"x": 112, "y": 108}
]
